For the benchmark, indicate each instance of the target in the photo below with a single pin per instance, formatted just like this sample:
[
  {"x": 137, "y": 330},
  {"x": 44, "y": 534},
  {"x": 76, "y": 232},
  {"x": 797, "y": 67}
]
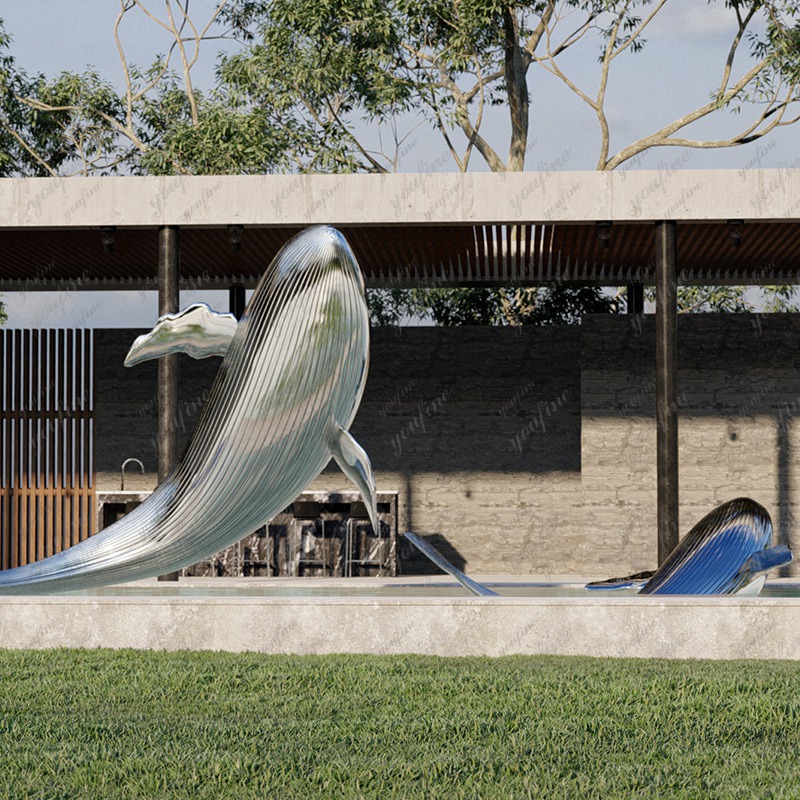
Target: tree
[
  {"x": 308, "y": 72},
  {"x": 161, "y": 123},
  {"x": 321, "y": 66},
  {"x": 29, "y": 141},
  {"x": 733, "y": 299},
  {"x": 326, "y": 64},
  {"x": 484, "y": 306}
]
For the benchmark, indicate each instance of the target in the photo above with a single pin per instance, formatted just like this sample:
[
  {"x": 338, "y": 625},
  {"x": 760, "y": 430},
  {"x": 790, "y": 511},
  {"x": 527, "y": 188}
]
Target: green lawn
[{"x": 123, "y": 724}]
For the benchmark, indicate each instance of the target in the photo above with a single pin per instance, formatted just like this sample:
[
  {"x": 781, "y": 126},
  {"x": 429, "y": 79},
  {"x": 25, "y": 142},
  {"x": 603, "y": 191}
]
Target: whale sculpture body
[
  {"x": 286, "y": 392},
  {"x": 727, "y": 552}
]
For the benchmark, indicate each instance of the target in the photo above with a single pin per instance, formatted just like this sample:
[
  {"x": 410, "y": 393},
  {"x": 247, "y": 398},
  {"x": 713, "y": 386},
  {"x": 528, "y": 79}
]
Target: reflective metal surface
[
  {"x": 285, "y": 394},
  {"x": 727, "y": 552},
  {"x": 197, "y": 331},
  {"x": 721, "y": 554},
  {"x": 434, "y": 555}
]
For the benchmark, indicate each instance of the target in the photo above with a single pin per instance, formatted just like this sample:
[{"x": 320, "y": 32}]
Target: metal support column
[
  {"x": 237, "y": 300},
  {"x": 635, "y": 298},
  {"x": 168, "y": 366},
  {"x": 667, "y": 386}
]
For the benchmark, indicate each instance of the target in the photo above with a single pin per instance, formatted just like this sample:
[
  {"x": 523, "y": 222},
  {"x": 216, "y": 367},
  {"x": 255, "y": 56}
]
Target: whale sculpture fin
[
  {"x": 197, "y": 330},
  {"x": 753, "y": 589},
  {"x": 441, "y": 562},
  {"x": 354, "y": 462},
  {"x": 628, "y": 582},
  {"x": 753, "y": 573},
  {"x": 770, "y": 558}
]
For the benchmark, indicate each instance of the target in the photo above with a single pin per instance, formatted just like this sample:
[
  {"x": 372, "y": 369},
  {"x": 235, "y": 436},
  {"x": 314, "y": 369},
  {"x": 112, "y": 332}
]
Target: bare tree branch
[
  {"x": 533, "y": 40},
  {"x": 637, "y": 32},
  {"x": 743, "y": 23},
  {"x": 376, "y": 165},
  {"x": 577, "y": 34},
  {"x": 31, "y": 152},
  {"x": 549, "y": 63},
  {"x": 608, "y": 55},
  {"x": 745, "y": 137},
  {"x": 443, "y": 130},
  {"x": 462, "y": 111},
  {"x": 663, "y": 136},
  {"x": 482, "y": 83},
  {"x": 187, "y": 74},
  {"x": 124, "y": 8}
]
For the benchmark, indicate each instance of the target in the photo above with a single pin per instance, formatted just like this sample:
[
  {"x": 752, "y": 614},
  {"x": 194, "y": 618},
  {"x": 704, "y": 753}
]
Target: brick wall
[
  {"x": 739, "y": 390},
  {"x": 126, "y": 408},
  {"x": 533, "y": 450}
]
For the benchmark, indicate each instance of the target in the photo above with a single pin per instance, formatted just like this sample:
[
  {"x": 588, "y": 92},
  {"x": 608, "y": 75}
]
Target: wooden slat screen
[{"x": 47, "y": 498}]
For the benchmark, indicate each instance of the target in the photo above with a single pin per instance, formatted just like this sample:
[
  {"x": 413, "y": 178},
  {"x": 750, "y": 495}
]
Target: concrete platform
[{"x": 591, "y": 625}]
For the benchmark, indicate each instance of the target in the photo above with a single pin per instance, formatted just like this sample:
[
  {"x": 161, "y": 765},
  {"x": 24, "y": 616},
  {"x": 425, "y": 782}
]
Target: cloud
[
  {"x": 708, "y": 20},
  {"x": 697, "y": 20}
]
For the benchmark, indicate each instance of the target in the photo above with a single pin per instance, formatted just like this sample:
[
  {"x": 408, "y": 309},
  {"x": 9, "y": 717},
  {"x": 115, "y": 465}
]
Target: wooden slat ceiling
[{"x": 403, "y": 256}]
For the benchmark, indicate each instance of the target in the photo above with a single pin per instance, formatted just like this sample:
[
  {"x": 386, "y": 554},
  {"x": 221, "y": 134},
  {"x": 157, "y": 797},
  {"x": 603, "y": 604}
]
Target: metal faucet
[{"x": 122, "y": 470}]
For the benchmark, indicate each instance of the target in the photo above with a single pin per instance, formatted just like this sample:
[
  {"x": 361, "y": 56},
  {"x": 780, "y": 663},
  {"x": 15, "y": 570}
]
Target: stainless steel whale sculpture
[
  {"x": 286, "y": 392},
  {"x": 727, "y": 552}
]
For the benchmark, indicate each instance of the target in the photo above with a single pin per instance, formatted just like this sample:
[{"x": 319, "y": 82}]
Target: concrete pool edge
[{"x": 631, "y": 627}]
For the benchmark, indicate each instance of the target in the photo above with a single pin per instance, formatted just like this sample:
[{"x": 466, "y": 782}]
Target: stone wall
[
  {"x": 126, "y": 408},
  {"x": 532, "y": 451},
  {"x": 739, "y": 391}
]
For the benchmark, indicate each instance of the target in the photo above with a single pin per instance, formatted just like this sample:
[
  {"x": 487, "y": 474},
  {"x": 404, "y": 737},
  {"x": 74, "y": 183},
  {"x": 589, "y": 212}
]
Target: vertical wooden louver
[{"x": 47, "y": 473}]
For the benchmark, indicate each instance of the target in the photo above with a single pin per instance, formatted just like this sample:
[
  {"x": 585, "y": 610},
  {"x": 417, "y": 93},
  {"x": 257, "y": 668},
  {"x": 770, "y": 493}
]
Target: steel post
[
  {"x": 168, "y": 366},
  {"x": 635, "y": 298},
  {"x": 237, "y": 299},
  {"x": 667, "y": 386}
]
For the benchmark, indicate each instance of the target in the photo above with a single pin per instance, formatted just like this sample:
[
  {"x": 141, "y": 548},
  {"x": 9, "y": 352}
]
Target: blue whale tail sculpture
[{"x": 727, "y": 552}]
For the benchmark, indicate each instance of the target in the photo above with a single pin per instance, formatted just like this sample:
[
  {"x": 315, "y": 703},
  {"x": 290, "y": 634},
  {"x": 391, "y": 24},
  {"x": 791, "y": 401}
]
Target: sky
[{"x": 678, "y": 70}]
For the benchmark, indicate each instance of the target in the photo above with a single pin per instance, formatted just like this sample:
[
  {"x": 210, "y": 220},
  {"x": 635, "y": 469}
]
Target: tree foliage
[
  {"x": 328, "y": 64},
  {"x": 734, "y": 299},
  {"x": 77, "y": 123},
  {"x": 305, "y": 75},
  {"x": 30, "y": 142},
  {"x": 319, "y": 67},
  {"x": 515, "y": 306}
]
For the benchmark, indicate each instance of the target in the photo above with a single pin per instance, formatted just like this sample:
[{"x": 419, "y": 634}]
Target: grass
[{"x": 124, "y": 724}]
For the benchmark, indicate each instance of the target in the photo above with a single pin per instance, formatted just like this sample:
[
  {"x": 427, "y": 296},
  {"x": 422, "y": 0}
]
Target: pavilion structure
[{"x": 650, "y": 228}]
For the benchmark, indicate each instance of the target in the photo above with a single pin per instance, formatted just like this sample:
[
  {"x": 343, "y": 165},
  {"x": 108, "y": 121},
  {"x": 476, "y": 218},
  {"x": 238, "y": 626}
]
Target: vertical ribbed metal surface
[
  {"x": 294, "y": 373},
  {"x": 47, "y": 471}
]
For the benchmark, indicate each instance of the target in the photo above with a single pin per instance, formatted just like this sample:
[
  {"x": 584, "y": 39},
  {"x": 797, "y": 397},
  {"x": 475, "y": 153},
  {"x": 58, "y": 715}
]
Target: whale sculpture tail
[{"x": 434, "y": 555}]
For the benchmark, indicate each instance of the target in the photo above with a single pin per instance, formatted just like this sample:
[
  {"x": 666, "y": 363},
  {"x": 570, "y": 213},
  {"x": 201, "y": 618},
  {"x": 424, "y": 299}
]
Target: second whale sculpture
[
  {"x": 727, "y": 552},
  {"x": 285, "y": 394}
]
